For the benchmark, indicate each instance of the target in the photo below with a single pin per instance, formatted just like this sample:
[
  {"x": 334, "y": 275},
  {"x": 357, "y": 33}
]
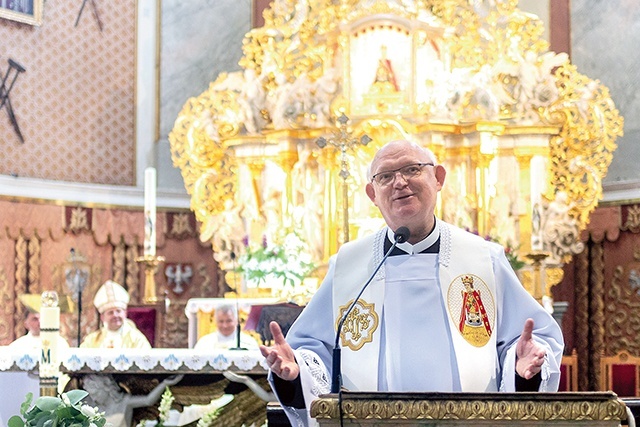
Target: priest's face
[
  {"x": 114, "y": 318},
  {"x": 405, "y": 181},
  {"x": 32, "y": 323},
  {"x": 226, "y": 323}
]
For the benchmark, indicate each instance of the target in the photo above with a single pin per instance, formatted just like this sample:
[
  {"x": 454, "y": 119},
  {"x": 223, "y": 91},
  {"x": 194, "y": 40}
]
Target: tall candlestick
[{"x": 150, "y": 212}]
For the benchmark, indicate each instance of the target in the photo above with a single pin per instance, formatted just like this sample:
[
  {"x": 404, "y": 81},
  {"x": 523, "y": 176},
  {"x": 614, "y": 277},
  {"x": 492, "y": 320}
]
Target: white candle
[
  {"x": 150, "y": 212},
  {"x": 49, "y": 332}
]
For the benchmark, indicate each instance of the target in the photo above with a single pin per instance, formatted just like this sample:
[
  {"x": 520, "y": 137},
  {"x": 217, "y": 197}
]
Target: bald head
[{"x": 393, "y": 146}]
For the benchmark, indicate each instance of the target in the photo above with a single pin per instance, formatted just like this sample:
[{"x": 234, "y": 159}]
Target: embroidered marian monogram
[
  {"x": 359, "y": 326},
  {"x": 469, "y": 298}
]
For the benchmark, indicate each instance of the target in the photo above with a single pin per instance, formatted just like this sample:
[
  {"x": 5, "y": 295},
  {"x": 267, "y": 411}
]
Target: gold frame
[{"x": 32, "y": 19}]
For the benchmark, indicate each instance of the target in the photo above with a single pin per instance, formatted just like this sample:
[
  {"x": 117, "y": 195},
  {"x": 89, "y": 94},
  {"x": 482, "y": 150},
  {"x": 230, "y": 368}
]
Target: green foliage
[
  {"x": 67, "y": 410},
  {"x": 510, "y": 251},
  {"x": 288, "y": 262}
]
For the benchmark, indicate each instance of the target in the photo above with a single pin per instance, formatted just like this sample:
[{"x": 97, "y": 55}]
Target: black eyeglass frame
[{"x": 395, "y": 171}]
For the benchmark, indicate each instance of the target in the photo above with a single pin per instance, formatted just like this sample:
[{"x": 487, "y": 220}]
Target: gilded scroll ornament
[{"x": 463, "y": 409}]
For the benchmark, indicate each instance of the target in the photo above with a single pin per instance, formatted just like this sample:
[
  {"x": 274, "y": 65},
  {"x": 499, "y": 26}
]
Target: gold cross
[{"x": 343, "y": 140}]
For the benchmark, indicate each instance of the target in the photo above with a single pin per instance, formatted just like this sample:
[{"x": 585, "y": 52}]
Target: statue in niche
[
  {"x": 385, "y": 78},
  {"x": 307, "y": 202},
  {"x": 226, "y": 232},
  {"x": 560, "y": 231},
  {"x": 503, "y": 215}
]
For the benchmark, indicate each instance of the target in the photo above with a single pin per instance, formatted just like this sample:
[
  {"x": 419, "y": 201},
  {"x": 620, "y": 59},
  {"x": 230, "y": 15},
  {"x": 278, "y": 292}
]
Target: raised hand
[
  {"x": 529, "y": 354},
  {"x": 279, "y": 356}
]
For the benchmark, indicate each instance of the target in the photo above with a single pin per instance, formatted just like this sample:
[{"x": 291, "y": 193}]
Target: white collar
[{"x": 422, "y": 244}]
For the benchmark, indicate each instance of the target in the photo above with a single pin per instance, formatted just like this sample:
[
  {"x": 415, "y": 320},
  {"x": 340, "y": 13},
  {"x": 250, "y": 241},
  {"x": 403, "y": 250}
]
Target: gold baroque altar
[{"x": 525, "y": 137}]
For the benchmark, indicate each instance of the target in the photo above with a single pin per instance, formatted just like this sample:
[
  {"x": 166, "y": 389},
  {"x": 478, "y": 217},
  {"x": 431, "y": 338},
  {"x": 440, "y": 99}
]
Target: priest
[
  {"x": 445, "y": 312},
  {"x": 116, "y": 331}
]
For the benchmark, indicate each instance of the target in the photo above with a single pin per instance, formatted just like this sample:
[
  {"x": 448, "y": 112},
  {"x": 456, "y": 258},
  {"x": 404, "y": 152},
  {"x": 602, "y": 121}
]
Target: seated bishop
[{"x": 116, "y": 330}]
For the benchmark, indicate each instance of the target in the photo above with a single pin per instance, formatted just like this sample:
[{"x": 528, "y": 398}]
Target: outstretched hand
[
  {"x": 279, "y": 356},
  {"x": 529, "y": 354}
]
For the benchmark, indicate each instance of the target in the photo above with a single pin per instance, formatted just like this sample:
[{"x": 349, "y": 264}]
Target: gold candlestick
[
  {"x": 151, "y": 263},
  {"x": 539, "y": 287}
]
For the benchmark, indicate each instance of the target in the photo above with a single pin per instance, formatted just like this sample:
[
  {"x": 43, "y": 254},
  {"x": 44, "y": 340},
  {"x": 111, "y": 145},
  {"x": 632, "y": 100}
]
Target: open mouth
[{"x": 404, "y": 197}]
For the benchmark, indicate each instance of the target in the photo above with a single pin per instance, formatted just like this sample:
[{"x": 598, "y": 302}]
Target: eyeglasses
[{"x": 409, "y": 171}]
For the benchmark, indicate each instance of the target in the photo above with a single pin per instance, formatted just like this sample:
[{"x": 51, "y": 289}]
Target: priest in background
[
  {"x": 116, "y": 330},
  {"x": 226, "y": 335},
  {"x": 31, "y": 341}
]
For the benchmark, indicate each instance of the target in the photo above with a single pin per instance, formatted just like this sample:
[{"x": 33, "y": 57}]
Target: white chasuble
[{"x": 419, "y": 307}]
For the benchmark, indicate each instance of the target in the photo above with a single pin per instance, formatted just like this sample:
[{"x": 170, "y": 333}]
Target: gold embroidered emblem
[
  {"x": 472, "y": 308},
  {"x": 359, "y": 326}
]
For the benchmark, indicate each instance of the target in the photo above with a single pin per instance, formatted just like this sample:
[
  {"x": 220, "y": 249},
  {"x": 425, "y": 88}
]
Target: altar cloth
[{"x": 156, "y": 360}]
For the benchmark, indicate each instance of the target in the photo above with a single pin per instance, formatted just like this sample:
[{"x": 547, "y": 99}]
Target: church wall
[
  {"x": 602, "y": 287},
  {"x": 74, "y": 104},
  {"x": 604, "y": 40},
  {"x": 36, "y": 239}
]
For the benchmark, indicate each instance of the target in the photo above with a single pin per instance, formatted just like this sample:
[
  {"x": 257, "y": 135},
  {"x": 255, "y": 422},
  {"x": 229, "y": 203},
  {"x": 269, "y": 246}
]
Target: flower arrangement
[
  {"x": 288, "y": 262},
  {"x": 208, "y": 417},
  {"x": 64, "y": 411},
  {"x": 510, "y": 251},
  {"x": 163, "y": 410},
  {"x": 165, "y": 406}
]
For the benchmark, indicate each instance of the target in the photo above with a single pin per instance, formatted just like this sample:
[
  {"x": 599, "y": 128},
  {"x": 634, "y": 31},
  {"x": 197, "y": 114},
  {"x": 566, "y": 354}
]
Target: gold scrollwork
[{"x": 603, "y": 407}]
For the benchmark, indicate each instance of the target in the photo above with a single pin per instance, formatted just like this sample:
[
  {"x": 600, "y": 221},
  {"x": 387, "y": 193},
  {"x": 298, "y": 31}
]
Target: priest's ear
[{"x": 440, "y": 173}]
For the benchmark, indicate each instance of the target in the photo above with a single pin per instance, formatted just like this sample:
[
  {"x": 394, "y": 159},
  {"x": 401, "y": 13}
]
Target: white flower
[{"x": 88, "y": 411}]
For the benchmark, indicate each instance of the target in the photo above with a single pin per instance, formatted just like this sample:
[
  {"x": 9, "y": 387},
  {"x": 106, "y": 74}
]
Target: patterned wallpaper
[{"x": 75, "y": 102}]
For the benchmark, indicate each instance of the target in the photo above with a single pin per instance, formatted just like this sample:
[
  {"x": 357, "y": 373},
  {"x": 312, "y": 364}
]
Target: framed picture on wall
[{"x": 26, "y": 11}]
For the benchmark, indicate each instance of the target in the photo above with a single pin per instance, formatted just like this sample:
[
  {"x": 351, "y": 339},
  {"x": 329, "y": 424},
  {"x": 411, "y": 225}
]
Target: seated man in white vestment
[
  {"x": 31, "y": 341},
  {"x": 226, "y": 334},
  {"x": 445, "y": 312},
  {"x": 116, "y": 330}
]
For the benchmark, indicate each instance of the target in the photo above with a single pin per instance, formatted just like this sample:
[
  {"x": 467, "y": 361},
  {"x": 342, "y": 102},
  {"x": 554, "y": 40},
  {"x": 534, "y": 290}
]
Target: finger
[
  {"x": 527, "y": 330},
  {"x": 266, "y": 351},
  {"x": 276, "y": 332},
  {"x": 276, "y": 366}
]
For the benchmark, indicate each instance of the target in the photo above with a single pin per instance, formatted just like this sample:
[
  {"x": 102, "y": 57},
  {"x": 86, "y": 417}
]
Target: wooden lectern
[{"x": 470, "y": 409}]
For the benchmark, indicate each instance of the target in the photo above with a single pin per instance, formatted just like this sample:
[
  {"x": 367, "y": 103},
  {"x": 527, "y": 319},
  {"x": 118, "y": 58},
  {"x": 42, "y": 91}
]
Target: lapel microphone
[{"x": 401, "y": 235}]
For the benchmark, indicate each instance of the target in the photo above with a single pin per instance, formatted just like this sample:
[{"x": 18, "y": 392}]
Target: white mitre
[{"x": 111, "y": 295}]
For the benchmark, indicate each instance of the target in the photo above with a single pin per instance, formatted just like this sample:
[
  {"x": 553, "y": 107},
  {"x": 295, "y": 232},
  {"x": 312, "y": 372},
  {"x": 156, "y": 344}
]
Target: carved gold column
[
  {"x": 287, "y": 160},
  {"x": 524, "y": 187},
  {"x": 330, "y": 209},
  {"x": 484, "y": 216},
  {"x": 256, "y": 166}
]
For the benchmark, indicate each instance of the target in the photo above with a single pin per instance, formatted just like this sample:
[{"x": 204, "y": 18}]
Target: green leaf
[
  {"x": 15, "y": 421},
  {"x": 76, "y": 396},
  {"x": 48, "y": 403},
  {"x": 24, "y": 407}
]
